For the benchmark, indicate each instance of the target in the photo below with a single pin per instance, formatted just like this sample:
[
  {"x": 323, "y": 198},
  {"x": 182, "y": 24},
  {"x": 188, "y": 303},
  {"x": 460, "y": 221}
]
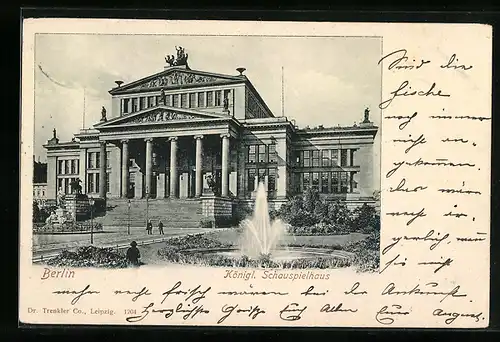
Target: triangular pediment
[
  {"x": 160, "y": 115},
  {"x": 175, "y": 78}
]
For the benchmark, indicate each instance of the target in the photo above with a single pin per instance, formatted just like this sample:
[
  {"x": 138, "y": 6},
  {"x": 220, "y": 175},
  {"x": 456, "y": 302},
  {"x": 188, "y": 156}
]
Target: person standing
[
  {"x": 149, "y": 227},
  {"x": 133, "y": 254},
  {"x": 160, "y": 227}
]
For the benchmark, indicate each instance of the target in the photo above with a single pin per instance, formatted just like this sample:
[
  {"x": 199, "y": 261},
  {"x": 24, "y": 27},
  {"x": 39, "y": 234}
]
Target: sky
[{"x": 328, "y": 81}]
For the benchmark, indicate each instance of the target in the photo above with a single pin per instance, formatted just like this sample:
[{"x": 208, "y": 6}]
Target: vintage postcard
[{"x": 255, "y": 173}]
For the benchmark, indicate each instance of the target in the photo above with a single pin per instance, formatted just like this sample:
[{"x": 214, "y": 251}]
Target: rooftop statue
[
  {"x": 180, "y": 58},
  {"x": 367, "y": 116},
  {"x": 103, "y": 114}
]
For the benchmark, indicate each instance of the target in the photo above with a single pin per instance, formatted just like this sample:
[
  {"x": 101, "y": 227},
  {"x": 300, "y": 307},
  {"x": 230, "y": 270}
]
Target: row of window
[
  {"x": 184, "y": 100},
  {"x": 94, "y": 160},
  {"x": 68, "y": 167},
  {"x": 261, "y": 153},
  {"x": 327, "y": 182},
  {"x": 325, "y": 158},
  {"x": 93, "y": 182},
  {"x": 261, "y": 176}
]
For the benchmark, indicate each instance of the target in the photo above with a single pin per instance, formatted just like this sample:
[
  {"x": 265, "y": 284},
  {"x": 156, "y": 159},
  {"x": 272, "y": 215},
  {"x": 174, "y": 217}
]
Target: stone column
[
  {"x": 149, "y": 164},
  {"x": 339, "y": 157},
  {"x": 348, "y": 159},
  {"x": 173, "y": 167},
  {"x": 199, "y": 165},
  {"x": 102, "y": 170},
  {"x": 125, "y": 173},
  {"x": 225, "y": 165}
]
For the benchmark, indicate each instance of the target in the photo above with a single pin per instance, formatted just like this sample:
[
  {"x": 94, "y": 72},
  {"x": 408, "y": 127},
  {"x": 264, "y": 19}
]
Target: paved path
[{"x": 46, "y": 246}]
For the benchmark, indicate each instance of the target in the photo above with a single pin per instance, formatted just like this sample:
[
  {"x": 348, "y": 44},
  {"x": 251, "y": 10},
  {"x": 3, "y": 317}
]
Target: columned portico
[
  {"x": 125, "y": 173},
  {"x": 149, "y": 165},
  {"x": 102, "y": 169},
  {"x": 225, "y": 165},
  {"x": 199, "y": 165},
  {"x": 173, "y": 167}
]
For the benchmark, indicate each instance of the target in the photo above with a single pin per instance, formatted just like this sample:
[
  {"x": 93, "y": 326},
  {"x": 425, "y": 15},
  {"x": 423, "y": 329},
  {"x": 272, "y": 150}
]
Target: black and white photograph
[{"x": 207, "y": 151}]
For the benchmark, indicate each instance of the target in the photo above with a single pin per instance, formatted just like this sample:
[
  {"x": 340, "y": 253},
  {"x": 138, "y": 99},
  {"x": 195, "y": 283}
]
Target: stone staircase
[{"x": 177, "y": 213}]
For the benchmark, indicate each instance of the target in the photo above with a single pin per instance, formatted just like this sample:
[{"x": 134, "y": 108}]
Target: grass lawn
[{"x": 333, "y": 241}]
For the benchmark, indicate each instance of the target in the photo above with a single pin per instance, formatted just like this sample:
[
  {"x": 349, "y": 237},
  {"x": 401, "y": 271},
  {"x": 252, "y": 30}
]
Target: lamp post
[
  {"x": 128, "y": 227},
  {"x": 91, "y": 202}
]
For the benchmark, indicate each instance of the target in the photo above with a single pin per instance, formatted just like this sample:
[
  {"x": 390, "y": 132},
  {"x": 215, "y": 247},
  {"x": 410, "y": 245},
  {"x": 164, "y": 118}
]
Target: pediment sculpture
[
  {"x": 177, "y": 78},
  {"x": 162, "y": 116}
]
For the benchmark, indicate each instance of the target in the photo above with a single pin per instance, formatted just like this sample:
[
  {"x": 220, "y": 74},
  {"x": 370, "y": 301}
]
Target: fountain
[{"x": 260, "y": 235}]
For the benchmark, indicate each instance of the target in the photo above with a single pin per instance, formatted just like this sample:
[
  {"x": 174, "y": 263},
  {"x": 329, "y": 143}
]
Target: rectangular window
[
  {"x": 252, "y": 153},
  {"x": 108, "y": 176},
  {"x": 306, "y": 158},
  {"x": 210, "y": 99},
  {"x": 315, "y": 158},
  {"x": 66, "y": 167},
  {"x": 335, "y": 157},
  {"x": 251, "y": 180},
  {"x": 60, "y": 167},
  {"x": 343, "y": 157},
  {"x": 142, "y": 101},
  {"x": 192, "y": 100},
  {"x": 201, "y": 99},
  {"x": 125, "y": 106},
  {"x": 262, "y": 175},
  {"x": 353, "y": 181},
  {"x": 299, "y": 159},
  {"x": 343, "y": 182},
  {"x": 158, "y": 100},
  {"x": 262, "y": 154},
  {"x": 272, "y": 153},
  {"x": 90, "y": 183},
  {"x": 96, "y": 175},
  {"x": 135, "y": 105},
  {"x": 77, "y": 166},
  {"x": 315, "y": 180},
  {"x": 324, "y": 182},
  {"x": 184, "y": 100},
  {"x": 335, "y": 182},
  {"x": 59, "y": 184},
  {"x": 97, "y": 159},
  {"x": 73, "y": 166},
  {"x": 325, "y": 157},
  {"x": 217, "y": 98},
  {"x": 151, "y": 100},
  {"x": 306, "y": 180},
  {"x": 271, "y": 180},
  {"x": 175, "y": 99}
]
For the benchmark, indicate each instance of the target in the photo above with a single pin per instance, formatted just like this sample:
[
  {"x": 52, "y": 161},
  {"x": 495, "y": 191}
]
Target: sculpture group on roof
[{"x": 180, "y": 59}]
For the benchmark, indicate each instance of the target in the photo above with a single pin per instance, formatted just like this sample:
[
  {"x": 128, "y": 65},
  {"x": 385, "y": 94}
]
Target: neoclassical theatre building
[{"x": 183, "y": 133}]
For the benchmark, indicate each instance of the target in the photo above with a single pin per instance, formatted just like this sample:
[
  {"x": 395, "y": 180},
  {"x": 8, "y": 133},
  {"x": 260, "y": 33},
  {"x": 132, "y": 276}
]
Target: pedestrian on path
[
  {"x": 160, "y": 227},
  {"x": 149, "y": 227},
  {"x": 133, "y": 254}
]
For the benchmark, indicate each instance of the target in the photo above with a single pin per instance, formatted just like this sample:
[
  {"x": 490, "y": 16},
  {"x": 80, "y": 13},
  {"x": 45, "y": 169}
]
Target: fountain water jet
[{"x": 260, "y": 235}]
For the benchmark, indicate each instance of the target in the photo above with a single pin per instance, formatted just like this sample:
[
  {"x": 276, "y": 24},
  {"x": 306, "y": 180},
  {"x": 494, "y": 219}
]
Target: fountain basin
[{"x": 279, "y": 254}]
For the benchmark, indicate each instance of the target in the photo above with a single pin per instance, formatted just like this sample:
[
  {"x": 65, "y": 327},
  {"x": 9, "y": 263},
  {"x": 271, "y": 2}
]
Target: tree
[{"x": 366, "y": 219}]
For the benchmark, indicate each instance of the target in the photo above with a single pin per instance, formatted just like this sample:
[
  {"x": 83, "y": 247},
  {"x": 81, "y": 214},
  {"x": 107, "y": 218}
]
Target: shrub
[
  {"x": 366, "y": 220},
  {"x": 206, "y": 223}
]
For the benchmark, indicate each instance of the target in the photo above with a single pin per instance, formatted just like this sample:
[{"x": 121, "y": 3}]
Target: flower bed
[
  {"x": 367, "y": 253},
  {"x": 66, "y": 227},
  {"x": 89, "y": 256}
]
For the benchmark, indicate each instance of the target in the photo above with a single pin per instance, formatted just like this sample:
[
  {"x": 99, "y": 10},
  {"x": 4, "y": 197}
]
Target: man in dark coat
[
  {"x": 160, "y": 227},
  {"x": 149, "y": 227},
  {"x": 133, "y": 254}
]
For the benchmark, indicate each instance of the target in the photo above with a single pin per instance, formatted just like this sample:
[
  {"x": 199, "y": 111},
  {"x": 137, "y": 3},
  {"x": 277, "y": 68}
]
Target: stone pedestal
[
  {"x": 77, "y": 206},
  {"x": 218, "y": 210}
]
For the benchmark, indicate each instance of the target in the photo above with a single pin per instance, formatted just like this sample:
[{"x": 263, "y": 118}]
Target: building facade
[{"x": 183, "y": 133}]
